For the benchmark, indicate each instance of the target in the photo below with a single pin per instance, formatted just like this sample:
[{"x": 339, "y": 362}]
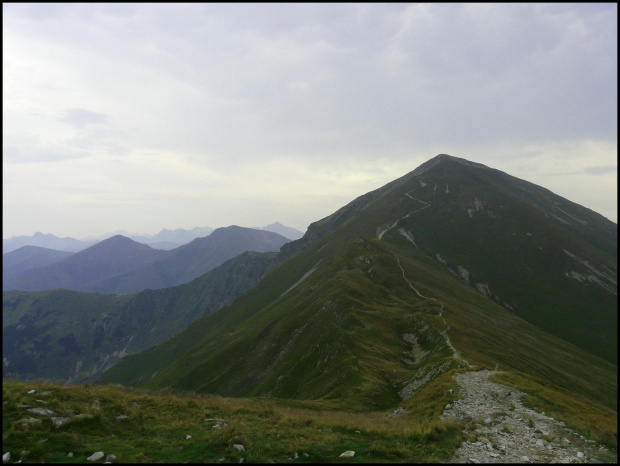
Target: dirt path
[
  {"x": 503, "y": 430},
  {"x": 444, "y": 333}
]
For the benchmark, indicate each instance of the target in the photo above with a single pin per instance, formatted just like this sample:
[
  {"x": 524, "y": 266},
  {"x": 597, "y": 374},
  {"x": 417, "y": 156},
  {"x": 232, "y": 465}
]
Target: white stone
[
  {"x": 59, "y": 421},
  {"x": 110, "y": 458},
  {"x": 347, "y": 454},
  {"x": 238, "y": 447},
  {"x": 31, "y": 392},
  {"x": 6, "y": 456},
  {"x": 187, "y": 437},
  {"x": 580, "y": 454},
  {"x": 95, "y": 456}
]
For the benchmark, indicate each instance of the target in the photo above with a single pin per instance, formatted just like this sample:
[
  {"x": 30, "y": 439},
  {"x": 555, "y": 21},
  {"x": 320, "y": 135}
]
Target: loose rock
[
  {"x": 510, "y": 431},
  {"x": 95, "y": 456},
  {"x": 347, "y": 454}
]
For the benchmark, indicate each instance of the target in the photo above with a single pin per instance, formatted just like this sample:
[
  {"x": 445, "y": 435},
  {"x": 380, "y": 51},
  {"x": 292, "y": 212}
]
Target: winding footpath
[
  {"x": 444, "y": 332},
  {"x": 501, "y": 429}
]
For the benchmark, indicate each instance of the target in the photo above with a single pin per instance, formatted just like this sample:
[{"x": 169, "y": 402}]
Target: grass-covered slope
[
  {"x": 355, "y": 329},
  {"x": 139, "y": 427},
  {"x": 71, "y": 336},
  {"x": 341, "y": 318}
]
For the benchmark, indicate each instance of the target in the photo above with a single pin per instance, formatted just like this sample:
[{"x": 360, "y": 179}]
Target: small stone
[
  {"x": 488, "y": 421},
  {"x": 565, "y": 440},
  {"x": 295, "y": 456},
  {"x": 110, "y": 458},
  {"x": 238, "y": 447},
  {"x": 95, "y": 456},
  {"x": 187, "y": 437},
  {"x": 240, "y": 460},
  {"x": 122, "y": 417},
  {"x": 306, "y": 455},
  {"x": 59, "y": 421},
  {"x": 347, "y": 454},
  {"x": 474, "y": 460},
  {"x": 525, "y": 459},
  {"x": 31, "y": 392},
  {"x": 448, "y": 406},
  {"x": 70, "y": 454},
  {"x": 540, "y": 443},
  {"x": 580, "y": 454},
  {"x": 6, "y": 457},
  {"x": 41, "y": 411}
]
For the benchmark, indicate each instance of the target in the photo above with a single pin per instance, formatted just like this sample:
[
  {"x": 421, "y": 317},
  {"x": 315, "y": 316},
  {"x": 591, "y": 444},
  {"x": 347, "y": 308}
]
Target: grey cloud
[
  {"x": 601, "y": 170},
  {"x": 80, "y": 117},
  {"x": 33, "y": 152}
]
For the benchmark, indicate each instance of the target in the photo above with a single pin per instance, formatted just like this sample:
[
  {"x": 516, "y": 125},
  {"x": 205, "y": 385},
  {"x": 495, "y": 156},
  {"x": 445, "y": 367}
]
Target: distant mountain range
[
  {"x": 120, "y": 265},
  {"x": 165, "y": 239},
  {"x": 450, "y": 267},
  {"x": 287, "y": 232}
]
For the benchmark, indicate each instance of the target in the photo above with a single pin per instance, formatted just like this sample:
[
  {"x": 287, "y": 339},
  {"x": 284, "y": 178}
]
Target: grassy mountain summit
[{"x": 450, "y": 266}]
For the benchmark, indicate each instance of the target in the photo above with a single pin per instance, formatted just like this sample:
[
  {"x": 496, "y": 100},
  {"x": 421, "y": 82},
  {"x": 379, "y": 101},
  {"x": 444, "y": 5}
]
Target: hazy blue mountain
[
  {"x": 108, "y": 258},
  {"x": 169, "y": 239},
  {"x": 45, "y": 241},
  {"x": 287, "y": 232},
  {"x": 29, "y": 257},
  {"x": 191, "y": 260}
]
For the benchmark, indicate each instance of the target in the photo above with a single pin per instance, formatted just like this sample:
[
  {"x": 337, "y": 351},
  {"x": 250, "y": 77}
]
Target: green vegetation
[
  {"x": 72, "y": 336},
  {"x": 157, "y": 425}
]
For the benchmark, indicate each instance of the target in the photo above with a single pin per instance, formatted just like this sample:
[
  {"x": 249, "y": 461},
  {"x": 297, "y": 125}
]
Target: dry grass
[{"x": 157, "y": 425}]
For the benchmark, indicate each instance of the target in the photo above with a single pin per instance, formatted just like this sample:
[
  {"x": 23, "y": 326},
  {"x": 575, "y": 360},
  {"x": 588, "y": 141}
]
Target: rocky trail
[{"x": 503, "y": 430}]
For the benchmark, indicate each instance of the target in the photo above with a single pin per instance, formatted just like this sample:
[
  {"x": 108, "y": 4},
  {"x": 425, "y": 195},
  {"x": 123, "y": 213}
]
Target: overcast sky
[{"x": 143, "y": 117}]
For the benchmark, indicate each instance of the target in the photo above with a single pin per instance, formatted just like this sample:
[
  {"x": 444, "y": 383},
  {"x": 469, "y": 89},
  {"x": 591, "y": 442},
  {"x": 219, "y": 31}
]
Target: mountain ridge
[
  {"x": 461, "y": 223},
  {"x": 121, "y": 265}
]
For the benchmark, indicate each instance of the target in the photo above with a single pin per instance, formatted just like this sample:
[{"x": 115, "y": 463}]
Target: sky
[{"x": 140, "y": 117}]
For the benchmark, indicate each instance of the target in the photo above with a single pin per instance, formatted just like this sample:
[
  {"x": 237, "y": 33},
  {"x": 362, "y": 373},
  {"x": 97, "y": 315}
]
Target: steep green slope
[
  {"x": 355, "y": 328},
  {"x": 341, "y": 317},
  {"x": 71, "y": 336}
]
